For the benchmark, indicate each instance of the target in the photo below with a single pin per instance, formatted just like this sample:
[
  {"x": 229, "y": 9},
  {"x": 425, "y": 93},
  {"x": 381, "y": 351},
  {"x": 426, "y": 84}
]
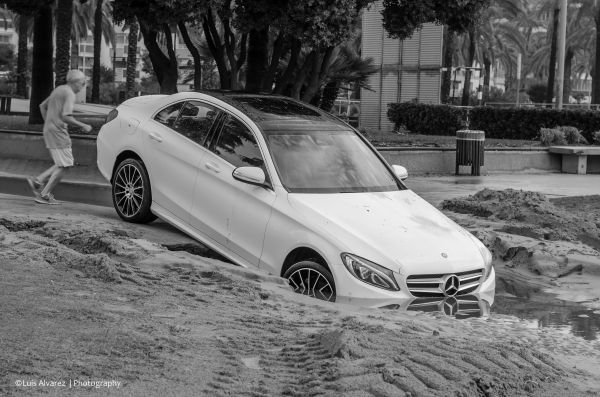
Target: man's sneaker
[
  {"x": 47, "y": 199},
  {"x": 36, "y": 187}
]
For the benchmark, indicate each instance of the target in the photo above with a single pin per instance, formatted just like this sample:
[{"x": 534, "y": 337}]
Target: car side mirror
[
  {"x": 400, "y": 172},
  {"x": 251, "y": 175}
]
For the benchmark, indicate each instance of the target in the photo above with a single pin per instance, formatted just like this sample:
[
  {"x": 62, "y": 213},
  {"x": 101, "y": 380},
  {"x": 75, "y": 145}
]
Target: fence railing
[
  {"x": 583, "y": 106},
  {"x": 347, "y": 109}
]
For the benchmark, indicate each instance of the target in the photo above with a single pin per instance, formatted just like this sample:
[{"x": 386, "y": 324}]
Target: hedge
[{"x": 502, "y": 123}]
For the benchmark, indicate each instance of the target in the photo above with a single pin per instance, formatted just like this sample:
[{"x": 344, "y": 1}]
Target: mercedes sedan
[{"x": 273, "y": 183}]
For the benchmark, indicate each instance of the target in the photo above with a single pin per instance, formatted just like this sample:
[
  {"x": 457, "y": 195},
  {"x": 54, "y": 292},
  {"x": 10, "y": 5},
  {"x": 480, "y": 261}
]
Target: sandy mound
[
  {"x": 530, "y": 235},
  {"x": 532, "y": 214}
]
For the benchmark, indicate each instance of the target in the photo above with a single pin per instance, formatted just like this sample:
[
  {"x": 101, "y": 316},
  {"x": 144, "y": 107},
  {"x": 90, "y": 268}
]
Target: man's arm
[
  {"x": 44, "y": 108},
  {"x": 69, "y": 119}
]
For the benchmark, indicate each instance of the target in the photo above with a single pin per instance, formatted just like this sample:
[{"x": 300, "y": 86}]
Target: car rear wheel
[
  {"x": 312, "y": 279},
  {"x": 131, "y": 192}
]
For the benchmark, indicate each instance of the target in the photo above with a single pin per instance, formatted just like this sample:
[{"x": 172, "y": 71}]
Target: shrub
[
  {"x": 552, "y": 136},
  {"x": 501, "y": 123},
  {"x": 596, "y": 137},
  {"x": 572, "y": 134},
  {"x": 537, "y": 92},
  {"x": 426, "y": 119}
]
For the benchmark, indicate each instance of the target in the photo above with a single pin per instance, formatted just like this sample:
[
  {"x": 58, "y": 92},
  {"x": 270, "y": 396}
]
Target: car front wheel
[
  {"x": 131, "y": 192},
  {"x": 312, "y": 279}
]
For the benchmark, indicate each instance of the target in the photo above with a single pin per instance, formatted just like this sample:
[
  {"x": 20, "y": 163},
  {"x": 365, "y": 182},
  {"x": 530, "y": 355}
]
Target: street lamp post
[{"x": 562, "y": 38}]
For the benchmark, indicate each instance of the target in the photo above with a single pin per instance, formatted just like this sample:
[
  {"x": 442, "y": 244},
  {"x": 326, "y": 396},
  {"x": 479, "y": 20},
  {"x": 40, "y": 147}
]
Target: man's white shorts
[{"x": 62, "y": 157}]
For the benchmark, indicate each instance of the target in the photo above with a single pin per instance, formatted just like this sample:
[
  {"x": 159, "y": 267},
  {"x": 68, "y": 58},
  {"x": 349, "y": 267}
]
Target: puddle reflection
[
  {"x": 460, "y": 307},
  {"x": 575, "y": 320}
]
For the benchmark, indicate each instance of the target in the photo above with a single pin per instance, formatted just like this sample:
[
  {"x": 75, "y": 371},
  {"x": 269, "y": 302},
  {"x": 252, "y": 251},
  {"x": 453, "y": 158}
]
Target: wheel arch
[
  {"x": 303, "y": 254},
  {"x": 126, "y": 154}
]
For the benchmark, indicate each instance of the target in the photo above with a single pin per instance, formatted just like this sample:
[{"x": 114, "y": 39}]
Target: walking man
[{"x": 57, "y": 112}]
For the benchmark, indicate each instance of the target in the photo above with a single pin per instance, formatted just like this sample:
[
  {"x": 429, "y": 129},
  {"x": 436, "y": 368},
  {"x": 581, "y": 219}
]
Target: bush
[
  {"x": 552, "y": 136},
  {"x": 501, "y": 123},
  {"x": 427, "y": 119},
  {"x": 537, "y": 93},
  {"x": 596, "y": 137},
  {"x": 572, "y": 135}
]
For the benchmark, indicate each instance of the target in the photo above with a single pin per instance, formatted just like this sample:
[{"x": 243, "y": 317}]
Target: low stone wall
[
  {"x": 418, "y": 161},
  {"x": 442, "y": 160},
  {"x": 30, "y": 145}
]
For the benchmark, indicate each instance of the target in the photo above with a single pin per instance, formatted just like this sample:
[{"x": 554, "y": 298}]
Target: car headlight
[
  {"x": 369, "y": 272},
  {"x": 487, "y": 260}
]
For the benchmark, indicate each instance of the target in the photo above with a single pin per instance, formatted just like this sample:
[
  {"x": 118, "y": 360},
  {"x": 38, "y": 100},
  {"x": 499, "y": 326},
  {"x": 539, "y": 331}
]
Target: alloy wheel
[
  {"x": 307, "y": 281},
  {"x": 129, "y": 190}
]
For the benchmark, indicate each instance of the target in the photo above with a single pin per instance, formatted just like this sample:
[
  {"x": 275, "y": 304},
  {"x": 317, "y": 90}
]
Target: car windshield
[{"x": 328, "y": 162}]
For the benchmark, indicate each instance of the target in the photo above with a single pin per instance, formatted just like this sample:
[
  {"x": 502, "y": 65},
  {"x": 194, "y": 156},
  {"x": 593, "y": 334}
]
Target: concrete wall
[
  {"x": 442, "y": 161},
  {"x": 30, "y": 145}
]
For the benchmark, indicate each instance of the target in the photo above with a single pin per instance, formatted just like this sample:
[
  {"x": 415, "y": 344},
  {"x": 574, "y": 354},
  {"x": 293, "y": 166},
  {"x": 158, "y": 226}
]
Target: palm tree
[
  {"x": 64, "y": 18},
  {"x": 498, "y": 14},
  {"x": 23, "y": 23},
  {"x": 134, "y": 29},
  {"x": 82, "y": 20},
  {"x": 103, "y": 27}
]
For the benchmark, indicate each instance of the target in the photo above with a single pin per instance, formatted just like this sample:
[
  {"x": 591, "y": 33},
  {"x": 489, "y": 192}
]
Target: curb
[{"x": 67, "y": 190}]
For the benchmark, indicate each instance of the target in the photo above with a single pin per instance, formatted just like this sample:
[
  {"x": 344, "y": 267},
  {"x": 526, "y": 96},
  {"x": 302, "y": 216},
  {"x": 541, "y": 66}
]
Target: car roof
[{"x": 277, "y": 112}]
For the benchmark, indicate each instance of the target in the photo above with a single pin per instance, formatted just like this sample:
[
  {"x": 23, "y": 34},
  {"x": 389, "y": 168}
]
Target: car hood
[{"x": 398, "y": 230}]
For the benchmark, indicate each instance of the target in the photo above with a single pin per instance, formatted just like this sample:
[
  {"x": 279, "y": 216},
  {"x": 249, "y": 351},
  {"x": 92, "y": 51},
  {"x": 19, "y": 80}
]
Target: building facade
[{"x": 409, "y": 70}]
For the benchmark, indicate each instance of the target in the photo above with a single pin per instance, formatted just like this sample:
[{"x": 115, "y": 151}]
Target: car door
[
  {"x": 173, "y": 151},
  {"x": 231, "y": 212}
]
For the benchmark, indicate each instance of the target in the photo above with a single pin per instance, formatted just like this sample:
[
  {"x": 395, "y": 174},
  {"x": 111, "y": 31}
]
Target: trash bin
[{"x": 469, "y": 149}]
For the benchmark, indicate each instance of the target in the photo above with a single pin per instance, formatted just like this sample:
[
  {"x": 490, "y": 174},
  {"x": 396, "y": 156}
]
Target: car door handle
[
  {"x": 155, "y": 136},
  {"x": 213, "y": 167}
]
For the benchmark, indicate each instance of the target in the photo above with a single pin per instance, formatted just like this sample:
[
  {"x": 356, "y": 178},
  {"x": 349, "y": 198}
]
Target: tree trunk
[
  {"x": 41, "y": 70},
  {"x": 97, "y": 46},
  {"x": 487, "y": 65},
  {"x": 567, "y": 77},
  {"x": 64, "y": 21},
  {"x": 449, "y": 48},
  {"x": 290, "y": 71},
  {"x": 320, "y": 66},
  {"x": 467, "y": 85},
  {"x": 131, "y": 58},
  {"x": 276, "y": 54},
  {"x": 258, "y": 55},
  {"x": 215, "y": 47},
  {"x": 301, "y": 75},
  {"x": 552, "y": 65},
  {"x": 22, "y": 57},
  {"x": 164, "y": 66},
  {"x": 596, "y": 73},
  {"x": 74, "y": 52}
]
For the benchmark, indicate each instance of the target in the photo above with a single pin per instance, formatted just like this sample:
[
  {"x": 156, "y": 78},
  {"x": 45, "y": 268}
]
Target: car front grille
[
  {"x": 432, "y": 285},
  {"x": 464, "y": 306}
]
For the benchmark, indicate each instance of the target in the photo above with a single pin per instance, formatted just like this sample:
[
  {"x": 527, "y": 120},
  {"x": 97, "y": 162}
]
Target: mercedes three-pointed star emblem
[{"x": 450, "y": 285}]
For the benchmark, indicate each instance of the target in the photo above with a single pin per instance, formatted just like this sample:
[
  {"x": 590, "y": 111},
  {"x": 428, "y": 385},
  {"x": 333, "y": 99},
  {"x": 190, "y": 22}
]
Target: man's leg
[
  {"x": 44, "y": 176},
  {"x": 54, "y": 179}
]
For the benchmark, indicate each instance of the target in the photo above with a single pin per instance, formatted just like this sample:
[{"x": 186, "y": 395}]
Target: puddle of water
[{"x": 570, "y": 318}]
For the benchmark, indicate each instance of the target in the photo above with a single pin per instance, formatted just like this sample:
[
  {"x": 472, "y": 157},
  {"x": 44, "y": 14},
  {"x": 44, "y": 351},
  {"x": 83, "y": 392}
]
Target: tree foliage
[{"x": 401, "y": 18}]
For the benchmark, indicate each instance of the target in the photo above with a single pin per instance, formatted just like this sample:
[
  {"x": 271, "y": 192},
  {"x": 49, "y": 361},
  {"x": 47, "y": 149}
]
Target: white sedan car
[{"x": 273, "y": 183}]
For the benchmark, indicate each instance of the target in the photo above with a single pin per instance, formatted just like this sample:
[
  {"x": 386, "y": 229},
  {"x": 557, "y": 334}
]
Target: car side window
[
  {"x": 168, "y": 115},
  {"x": 237, "y": 145},
  {"x": 195, "y": 120}
]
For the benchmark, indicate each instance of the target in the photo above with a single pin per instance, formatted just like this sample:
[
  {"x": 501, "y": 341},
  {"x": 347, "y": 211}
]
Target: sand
[{"x": 86, "y": 297}]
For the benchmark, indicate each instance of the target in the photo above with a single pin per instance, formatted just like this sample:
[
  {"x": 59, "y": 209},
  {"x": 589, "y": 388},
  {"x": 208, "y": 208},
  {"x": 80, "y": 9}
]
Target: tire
[
  {"x": 312, "y": 279},
  {"x": 131, "y": 194}
]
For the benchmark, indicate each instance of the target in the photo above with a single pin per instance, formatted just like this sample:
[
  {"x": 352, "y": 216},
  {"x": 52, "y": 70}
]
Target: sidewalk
[{"x": 86, "y": 184}]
